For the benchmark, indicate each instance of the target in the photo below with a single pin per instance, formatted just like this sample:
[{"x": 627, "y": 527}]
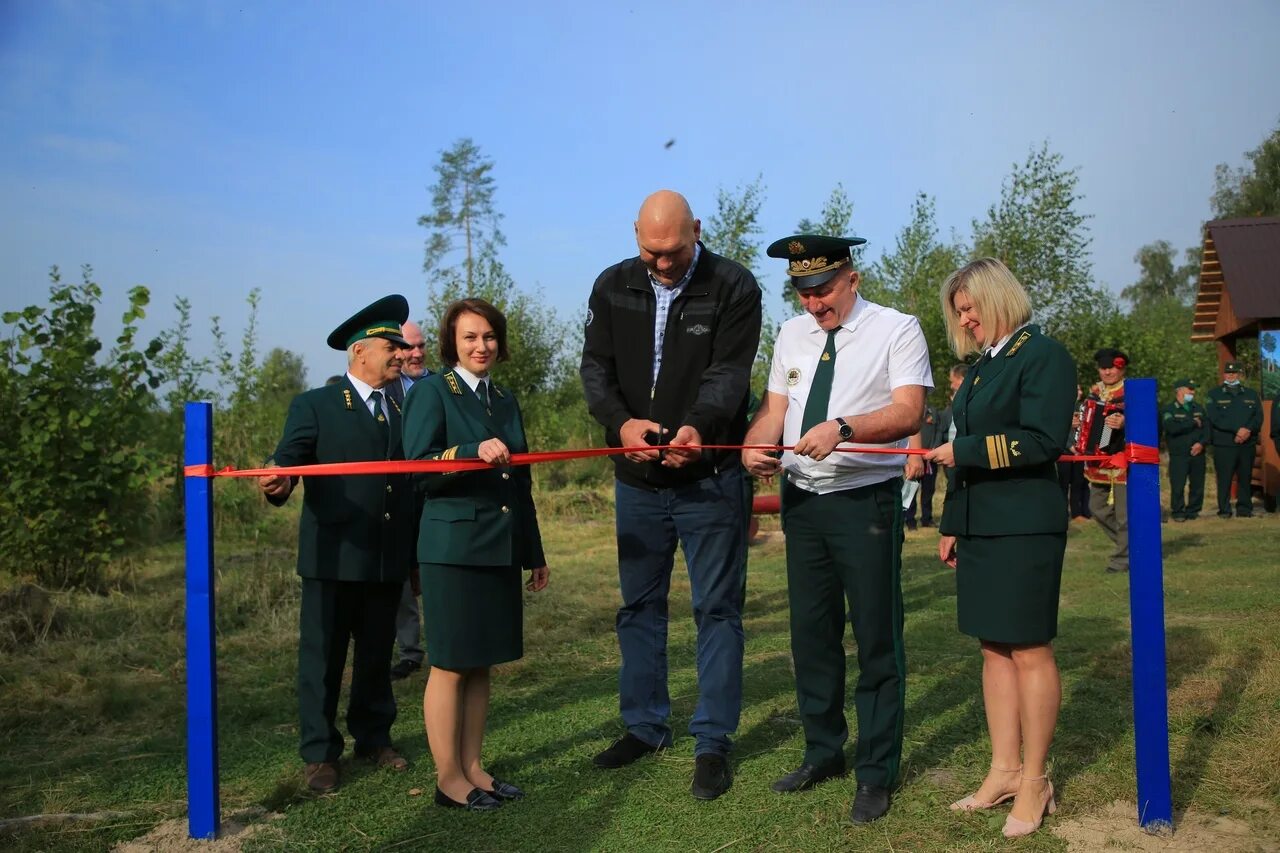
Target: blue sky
[{"x": 204, "y": 149}]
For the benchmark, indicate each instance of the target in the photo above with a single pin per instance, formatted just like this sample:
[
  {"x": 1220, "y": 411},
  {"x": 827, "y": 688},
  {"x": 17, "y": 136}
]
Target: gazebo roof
[{"x": 1239, "y": 276}]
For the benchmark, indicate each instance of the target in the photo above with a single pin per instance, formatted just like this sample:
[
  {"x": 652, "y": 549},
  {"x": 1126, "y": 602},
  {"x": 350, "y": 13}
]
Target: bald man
[
  {"x": 409, "y": 615},
  {"x": 670, "y": 338}
]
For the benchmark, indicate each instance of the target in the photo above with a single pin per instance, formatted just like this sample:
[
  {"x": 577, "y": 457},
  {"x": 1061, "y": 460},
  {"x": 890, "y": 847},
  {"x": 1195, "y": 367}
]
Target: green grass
[{"x": 92, "y": 715}]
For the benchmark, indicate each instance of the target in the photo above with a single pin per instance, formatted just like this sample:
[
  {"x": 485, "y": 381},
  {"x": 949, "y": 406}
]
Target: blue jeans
[{"x": 709, "y": 521}]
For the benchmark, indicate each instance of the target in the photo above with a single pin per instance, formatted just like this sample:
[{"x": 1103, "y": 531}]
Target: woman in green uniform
[
  {"x": 1004, "y": 525},
  {"x": 478, "y": 530}
]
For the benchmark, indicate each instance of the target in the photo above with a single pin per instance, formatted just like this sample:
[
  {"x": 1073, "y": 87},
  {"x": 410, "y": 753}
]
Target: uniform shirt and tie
[{"x": 873, "y": 352}]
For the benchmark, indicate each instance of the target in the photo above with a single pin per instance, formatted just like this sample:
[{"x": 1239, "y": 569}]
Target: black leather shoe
[
  {"x": 505, "y": 791},
  {"x": 622, "y": 752},
  {"x": 404, "y": 669},
  {"x": 807, "y": 775},
  {"x": 712, "y": 776},
  {"x": 870, "y": 803},
  {"x": 477, "y": 801}
]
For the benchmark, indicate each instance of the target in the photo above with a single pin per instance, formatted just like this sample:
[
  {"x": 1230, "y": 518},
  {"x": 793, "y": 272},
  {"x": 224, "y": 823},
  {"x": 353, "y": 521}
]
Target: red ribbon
[
  {"x": 1140, "y": 453},
  {"x": 440, "y": 466}
]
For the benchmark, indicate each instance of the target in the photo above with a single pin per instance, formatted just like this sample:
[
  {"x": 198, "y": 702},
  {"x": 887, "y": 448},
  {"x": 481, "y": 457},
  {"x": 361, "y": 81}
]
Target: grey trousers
[
  {"x": 409, "y": 625},
  {"x": 1113, "y": 518}
]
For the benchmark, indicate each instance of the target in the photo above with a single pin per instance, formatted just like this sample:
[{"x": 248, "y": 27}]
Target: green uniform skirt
[
  {"x": 473, "y": 616},
  {"x": 1007, "y": 586}
]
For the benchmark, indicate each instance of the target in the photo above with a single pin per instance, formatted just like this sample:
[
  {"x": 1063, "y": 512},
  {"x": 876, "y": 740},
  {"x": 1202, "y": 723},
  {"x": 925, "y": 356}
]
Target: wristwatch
[{"x": 846, "y": 431}]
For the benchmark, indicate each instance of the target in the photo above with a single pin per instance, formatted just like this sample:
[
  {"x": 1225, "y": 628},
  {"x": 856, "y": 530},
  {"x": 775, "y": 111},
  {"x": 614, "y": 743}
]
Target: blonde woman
[{"x": 1004, "y": 525}]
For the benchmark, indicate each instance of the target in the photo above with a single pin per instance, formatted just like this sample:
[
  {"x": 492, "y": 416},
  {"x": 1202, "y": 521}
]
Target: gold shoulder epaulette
[
  {"x": 452, "y": 379},
  {"x": 1022, "y": 339}
]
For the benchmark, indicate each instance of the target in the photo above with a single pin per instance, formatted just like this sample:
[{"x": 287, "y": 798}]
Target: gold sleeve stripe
[{"x": 998, "y": 451}]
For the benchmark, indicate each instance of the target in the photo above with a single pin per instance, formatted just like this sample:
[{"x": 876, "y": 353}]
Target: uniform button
[
  {"x": 388, "y": 489},
  {"x": 506, "y": 509},
  {"x": 386, "y": 516},
  {"x": 506, "y": 476}
]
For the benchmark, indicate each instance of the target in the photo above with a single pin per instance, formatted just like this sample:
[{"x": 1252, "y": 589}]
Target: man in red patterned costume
[{"x": 1107, "y": 486}]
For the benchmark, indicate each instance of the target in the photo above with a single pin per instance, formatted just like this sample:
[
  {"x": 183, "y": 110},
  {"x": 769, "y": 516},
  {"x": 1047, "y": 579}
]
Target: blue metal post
[
  {"x": 1146, "y": 608},
  {"x": 204, "y": 811}
]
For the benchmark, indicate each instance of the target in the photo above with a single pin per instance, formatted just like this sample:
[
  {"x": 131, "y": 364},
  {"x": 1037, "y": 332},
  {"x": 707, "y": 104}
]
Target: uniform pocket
[{"x": 446, "y": 509}]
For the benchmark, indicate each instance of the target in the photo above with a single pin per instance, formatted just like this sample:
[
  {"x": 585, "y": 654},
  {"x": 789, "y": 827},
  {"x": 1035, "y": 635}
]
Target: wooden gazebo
[{"x": 1239, "y": 298}]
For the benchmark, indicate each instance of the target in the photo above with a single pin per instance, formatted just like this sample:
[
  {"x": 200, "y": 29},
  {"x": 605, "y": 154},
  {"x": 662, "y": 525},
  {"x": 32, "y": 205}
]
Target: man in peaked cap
[
  {"x": 355, "y": 543},
  {"x": 1235, "y": 418},
  {"x": 1186, "y": 435},
  {"x": 846, "y": 370},
  {"x": 1108, "y": 486}
]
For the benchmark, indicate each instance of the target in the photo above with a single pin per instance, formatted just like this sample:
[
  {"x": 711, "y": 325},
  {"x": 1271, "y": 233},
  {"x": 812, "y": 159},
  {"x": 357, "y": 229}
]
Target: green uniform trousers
[
  {"x": 1234, "y": 460},
  {"x": 1184, "y": 467},
  {"x": 334, "y": 613},
  {"x": 847, "y": 547}
]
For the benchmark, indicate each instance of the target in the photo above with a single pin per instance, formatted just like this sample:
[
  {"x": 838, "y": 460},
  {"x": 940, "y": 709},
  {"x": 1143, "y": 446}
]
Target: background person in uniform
[
  {"x": 1004, "y": 526},
  {"x": 1186, "y": 434},
  {"x": 478, "y": 530},
  {"x": 1235, "y": 416},
  {"x": 1107, "y": 486},
  {"x": 932, "y": 433},
  {"x": 355, "y": 543},
  {"x": 845, "y": 370},
  {"x": 408, "y": 616},
  {"x": 669, "y": 343}
]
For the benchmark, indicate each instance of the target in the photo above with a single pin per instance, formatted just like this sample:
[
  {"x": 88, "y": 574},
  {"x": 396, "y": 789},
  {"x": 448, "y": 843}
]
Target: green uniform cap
[
  {"x": 382, "y": 319},
  {"x": 1233, "y": 367},
  {"x": 1185, "y": 383},
  {"x": 813, "y": 259}
]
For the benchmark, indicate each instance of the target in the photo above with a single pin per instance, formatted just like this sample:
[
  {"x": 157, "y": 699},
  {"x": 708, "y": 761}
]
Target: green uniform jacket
[
  {"x": 471, "y": 518},
  {"x": 1012, "y": 415},
  {"x": 353, "y": 528},
  {"x": 1232, "y": 407},
  {"x": 1180, "y": 428}
]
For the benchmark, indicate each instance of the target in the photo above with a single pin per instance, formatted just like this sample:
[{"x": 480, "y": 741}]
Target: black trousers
[
  {"x": 925, "y": 497},
  {"x": 1234, "y": 460},
  {"x": 333, "y": 614},
  {"x": 1075, "y": 488},
  {"x": 1184, "y": 467}
]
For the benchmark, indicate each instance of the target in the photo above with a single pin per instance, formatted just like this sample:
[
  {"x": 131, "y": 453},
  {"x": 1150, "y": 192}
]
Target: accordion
[{"x": 1095, "y": 436}]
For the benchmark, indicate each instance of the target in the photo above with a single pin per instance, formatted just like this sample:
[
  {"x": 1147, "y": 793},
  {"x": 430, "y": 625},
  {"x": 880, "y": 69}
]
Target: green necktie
[
  {"x": 383, "y": 426},
  {"x": 482, "y": 391},
  {"x": 815, "y": 408}
]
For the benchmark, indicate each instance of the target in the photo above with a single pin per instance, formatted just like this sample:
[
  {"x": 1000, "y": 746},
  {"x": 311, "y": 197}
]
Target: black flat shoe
[
  {"x": 505, "y": 791},
  {"x": 870, "y": 803},
  {"x": 807, "y": 775},
  {"x": 477, "y": 801}
]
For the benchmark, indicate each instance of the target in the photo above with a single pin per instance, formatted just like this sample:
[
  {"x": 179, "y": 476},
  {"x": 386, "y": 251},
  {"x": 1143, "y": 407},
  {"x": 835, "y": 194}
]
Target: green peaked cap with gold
[
  {"x": 381, "y": 319},
  {"x": 813, "y": 259}
]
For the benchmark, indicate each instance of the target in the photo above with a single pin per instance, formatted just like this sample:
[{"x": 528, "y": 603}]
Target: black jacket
[{"x": 713, "y": 332}]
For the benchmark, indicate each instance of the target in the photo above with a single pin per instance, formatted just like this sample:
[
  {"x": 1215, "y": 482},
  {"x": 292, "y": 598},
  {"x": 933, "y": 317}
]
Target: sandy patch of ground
[
  {"x": 1116, "y": 828},
  {"x": 171, "y": 836}
]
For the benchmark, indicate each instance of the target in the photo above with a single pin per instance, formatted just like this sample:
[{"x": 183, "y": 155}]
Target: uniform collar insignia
[
  {"x": 452, "y": 379},
  {"x": 346, "y": 396},
  {"x": 1022, "y": 339}
]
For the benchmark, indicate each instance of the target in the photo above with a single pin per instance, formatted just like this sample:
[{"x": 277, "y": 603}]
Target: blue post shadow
[
  {"x": 1146, "y": 608},
  {"x": 203, "y": 809}
]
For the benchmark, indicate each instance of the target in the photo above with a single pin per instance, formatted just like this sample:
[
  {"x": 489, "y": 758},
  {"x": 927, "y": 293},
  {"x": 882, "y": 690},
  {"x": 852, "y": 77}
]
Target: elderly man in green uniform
[
  {"x": 355, "y": 543},
  {"x": 1186, "y": 434},
  {"x": 1235, "y": 417},
  {"x": 845, "y": 370}
]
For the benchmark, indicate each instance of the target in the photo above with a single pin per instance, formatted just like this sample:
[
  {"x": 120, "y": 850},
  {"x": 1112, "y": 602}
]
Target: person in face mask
[
  {"x": 1186, "y": 432},
  {"x": 1235, "y": 417}
]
